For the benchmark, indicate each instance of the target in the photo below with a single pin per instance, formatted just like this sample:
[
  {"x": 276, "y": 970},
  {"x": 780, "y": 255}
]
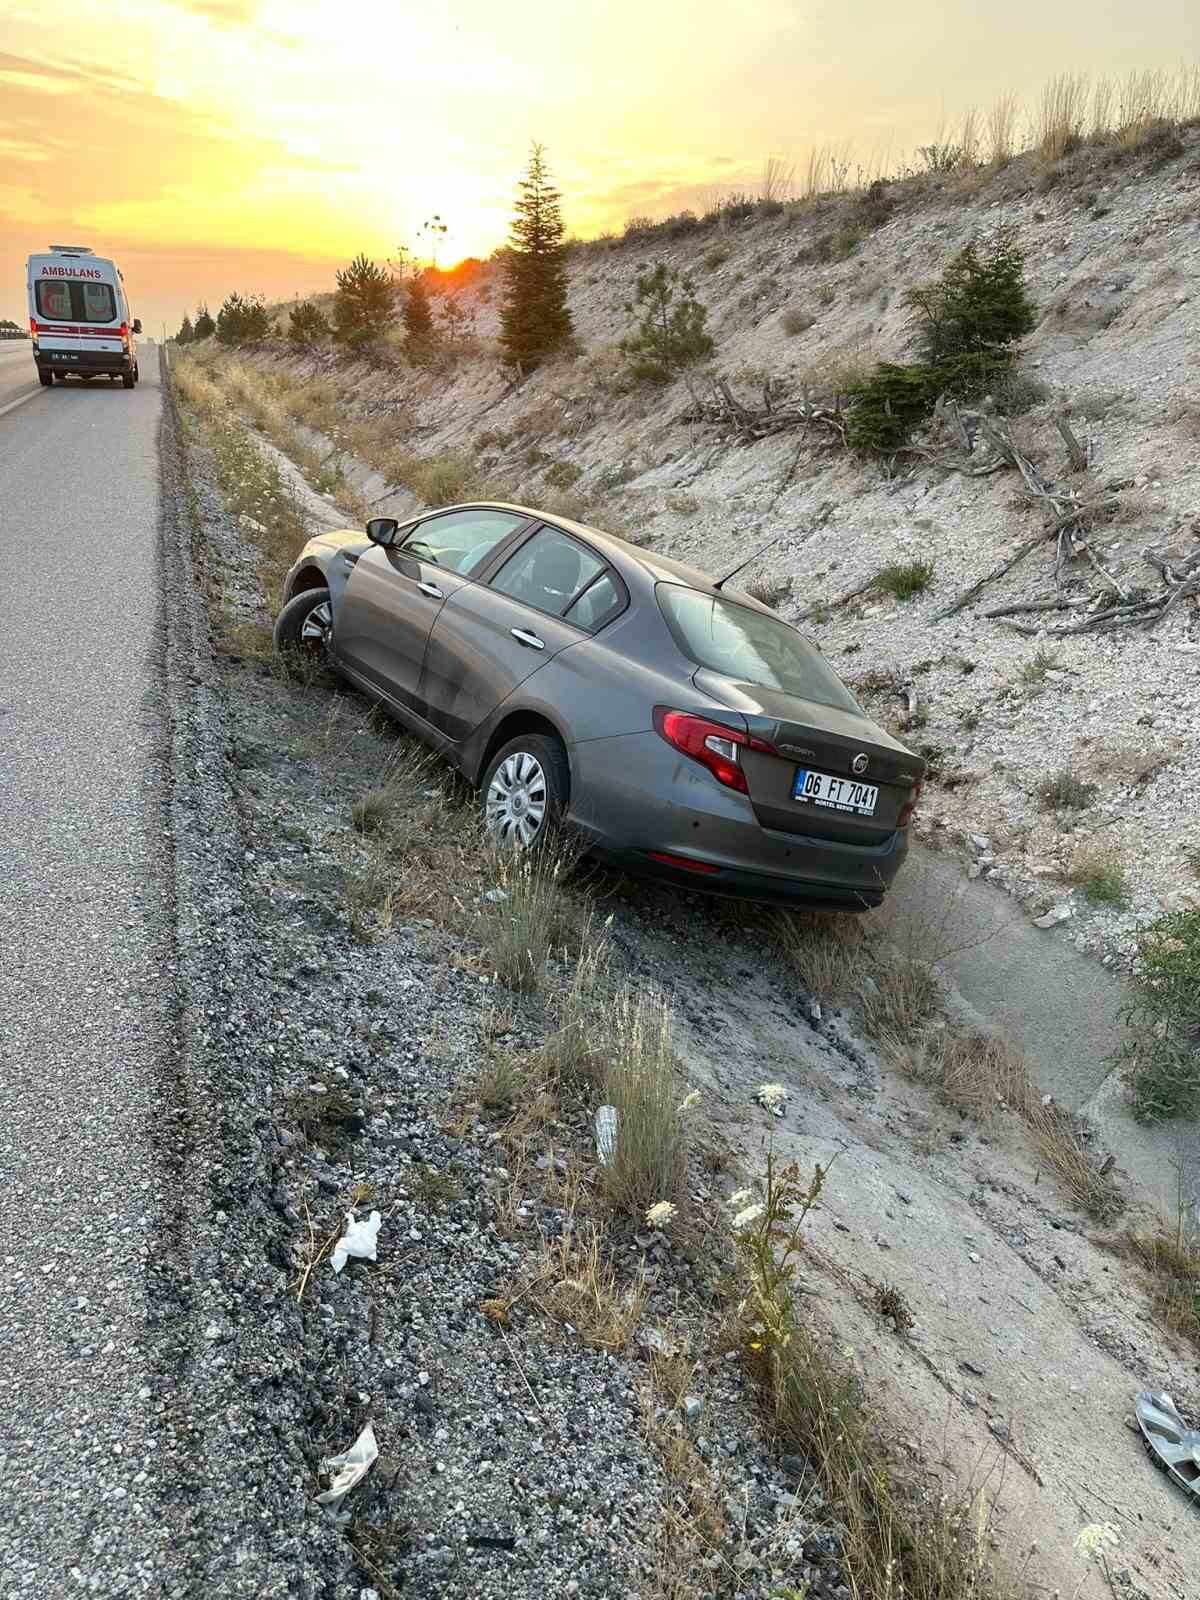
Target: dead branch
[
  {"x": 776, "y": 414},
  {"x": 1076, "y": 454},
  {"x": 976, "y": 588}
]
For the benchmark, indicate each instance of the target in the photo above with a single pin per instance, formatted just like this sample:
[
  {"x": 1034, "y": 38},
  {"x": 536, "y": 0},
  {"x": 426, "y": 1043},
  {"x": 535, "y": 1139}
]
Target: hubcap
[
  {"x": 517, "y": 797},
  {"x": 314, "y": 630}
]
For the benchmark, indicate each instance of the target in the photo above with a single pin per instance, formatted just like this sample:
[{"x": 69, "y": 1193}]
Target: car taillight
[
  {"x": 712, "y": 744},
  {"x": 909, "y": 806},
  {"x": 125, "y": 332}
]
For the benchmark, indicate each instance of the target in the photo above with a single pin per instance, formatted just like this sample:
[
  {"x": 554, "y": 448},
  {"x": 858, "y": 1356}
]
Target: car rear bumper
[
  {"x": 637, "y": 801},
  {"x": 90, "y": 361}
]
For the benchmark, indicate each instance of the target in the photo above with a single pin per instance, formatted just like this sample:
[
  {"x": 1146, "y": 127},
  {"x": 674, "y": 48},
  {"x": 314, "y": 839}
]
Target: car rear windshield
[
  {"x": 65, "y": 300},
  {"x": 749, "y": 647}
]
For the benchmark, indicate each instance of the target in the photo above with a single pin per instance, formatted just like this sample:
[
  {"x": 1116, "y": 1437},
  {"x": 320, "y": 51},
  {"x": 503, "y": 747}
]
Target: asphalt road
[
  {"x": 85, "y": 988},
  {"x": 18, "y": 379}
]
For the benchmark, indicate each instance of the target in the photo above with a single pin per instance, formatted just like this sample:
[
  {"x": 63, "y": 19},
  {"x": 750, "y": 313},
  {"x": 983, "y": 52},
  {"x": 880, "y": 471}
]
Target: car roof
[{"x": 622, "y": 552}]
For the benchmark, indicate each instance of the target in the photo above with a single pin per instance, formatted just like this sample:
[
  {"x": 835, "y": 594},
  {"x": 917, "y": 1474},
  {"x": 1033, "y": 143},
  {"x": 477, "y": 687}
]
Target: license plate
[{"x": 838, "y": 794}]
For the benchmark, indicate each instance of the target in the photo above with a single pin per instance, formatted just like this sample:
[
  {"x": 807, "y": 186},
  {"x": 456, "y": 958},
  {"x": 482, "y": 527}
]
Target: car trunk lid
[{"x": 789, "y": 736}]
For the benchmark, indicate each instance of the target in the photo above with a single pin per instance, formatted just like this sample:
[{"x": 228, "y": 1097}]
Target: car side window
[
  {"x": 461, "y": 540},
  {"x": 598, "y": 603},
  {"x": 548, "y": 572}
]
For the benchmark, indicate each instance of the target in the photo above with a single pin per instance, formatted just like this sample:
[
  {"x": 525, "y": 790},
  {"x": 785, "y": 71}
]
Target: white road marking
[{"x": 13, "y": 404}]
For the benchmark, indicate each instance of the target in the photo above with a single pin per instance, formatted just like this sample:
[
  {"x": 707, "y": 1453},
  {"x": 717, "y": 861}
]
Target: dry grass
[
  {"x": 973, "y": 1073},
  {"x": 828, "y": 953},
  {"x": 576, "y": 1044},
  {"x": 1057, "y": 1141},
  {"x": 1100, "y": 876},
  {"x": 899, "y": 997},
  {"x": 649, "y": 1160},
  {"x": 902, "y": 1535},
  {"x": 1171, "y": 1263},
  {"x": 572, "y": 1281},
  {"x": 533, "y": 916}
]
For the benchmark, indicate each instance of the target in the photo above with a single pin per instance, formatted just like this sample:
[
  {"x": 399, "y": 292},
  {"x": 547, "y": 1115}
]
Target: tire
[
  {"x": 297, "y": 629},
  {"x": 525, "y": 789},
  {"x": 137, "y": 373},
  {"x": 46, "y": 379},
  {"x": 127, "y": 380}
]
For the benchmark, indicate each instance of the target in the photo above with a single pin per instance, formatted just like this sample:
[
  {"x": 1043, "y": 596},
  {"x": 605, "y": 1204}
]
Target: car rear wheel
[
  {"x": 127, "y": 380},
  {"x": 304, "y": 623},
  {"x": 45, "y": 379},
  {"x": 525, "y": 790}
]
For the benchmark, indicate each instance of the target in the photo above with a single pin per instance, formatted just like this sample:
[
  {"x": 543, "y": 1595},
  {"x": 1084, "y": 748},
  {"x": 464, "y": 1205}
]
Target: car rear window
[
  {"x": 64, "y": 300},
  {"x": 749, "y": 647},
  {"x": 598, "y": 604}
]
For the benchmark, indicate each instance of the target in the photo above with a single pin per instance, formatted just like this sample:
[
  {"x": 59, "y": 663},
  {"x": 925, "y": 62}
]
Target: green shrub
[
  {"x": 306, "y": 324},
  {"x": 887, "y": 406},
  {"x": 670, "y": 332},
  {"x": 978, "y": 306},
  {"x": 1162, "y": 1054},
  {"x": 1063, "y": 791},
  {"x": 904, "y": 579},
  {"x": 562, "y": 474},
  {"x": 242, "y": 320}
]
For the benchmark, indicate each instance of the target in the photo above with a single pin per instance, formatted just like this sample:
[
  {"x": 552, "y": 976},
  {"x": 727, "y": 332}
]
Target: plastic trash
[
  {"x": 350, "y": 1467},
  {"x": 359, "y": 1240},
  {"x": 606, "y": 1133}
]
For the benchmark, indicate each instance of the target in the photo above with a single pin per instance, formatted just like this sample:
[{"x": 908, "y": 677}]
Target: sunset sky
[{"x": 258, "y": 144}]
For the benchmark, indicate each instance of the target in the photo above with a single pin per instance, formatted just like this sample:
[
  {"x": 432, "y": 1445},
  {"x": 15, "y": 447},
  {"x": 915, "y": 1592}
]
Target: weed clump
[
  {"x": 1162, "y": 1052},
  {"x": 905, "y": 579},
  {"x": 1063, "y": 791},
  {"x": 648, "y": 1161}
]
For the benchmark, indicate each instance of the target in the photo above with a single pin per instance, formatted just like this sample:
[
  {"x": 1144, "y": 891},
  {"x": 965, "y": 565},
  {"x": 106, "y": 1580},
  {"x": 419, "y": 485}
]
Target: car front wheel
[
  {"x": 304, "y": 623},
  {"x": 525, "y": 790}
]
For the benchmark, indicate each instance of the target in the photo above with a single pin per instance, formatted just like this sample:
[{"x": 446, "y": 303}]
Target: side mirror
[
  {"x": 137, "y": 326},
  {"x": 382, "y": 530}
]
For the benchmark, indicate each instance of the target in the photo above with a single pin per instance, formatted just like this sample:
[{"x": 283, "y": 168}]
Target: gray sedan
[{"x": 682, "y": 731}]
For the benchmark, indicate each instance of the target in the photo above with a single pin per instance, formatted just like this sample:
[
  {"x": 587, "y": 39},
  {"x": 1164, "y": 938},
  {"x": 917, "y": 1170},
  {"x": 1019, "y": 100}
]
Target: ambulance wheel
[
  {"x": 45, "y": 379},
  {"x": 127, "y": 380},
  {"x": 137, "y": 373}
]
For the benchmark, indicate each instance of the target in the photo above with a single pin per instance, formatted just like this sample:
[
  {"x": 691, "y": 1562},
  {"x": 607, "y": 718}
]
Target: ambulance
[{"x": 79, "y": 317}]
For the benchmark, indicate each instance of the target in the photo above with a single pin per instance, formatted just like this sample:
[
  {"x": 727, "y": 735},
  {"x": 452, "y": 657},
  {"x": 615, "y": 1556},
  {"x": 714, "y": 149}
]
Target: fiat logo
[{"x": 860, "y": 763}]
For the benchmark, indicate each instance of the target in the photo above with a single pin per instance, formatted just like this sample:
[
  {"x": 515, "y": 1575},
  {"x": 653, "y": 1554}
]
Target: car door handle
[
  {"x": 531, "y": 639},
  {"x": 432, "y": 590}
]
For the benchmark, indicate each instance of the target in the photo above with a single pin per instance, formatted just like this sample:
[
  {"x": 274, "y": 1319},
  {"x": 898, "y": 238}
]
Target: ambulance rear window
[
  {"x": 66, "y": 300},
  {"x": 54, "y": 300},
  {"x": 98, "y": 304}
]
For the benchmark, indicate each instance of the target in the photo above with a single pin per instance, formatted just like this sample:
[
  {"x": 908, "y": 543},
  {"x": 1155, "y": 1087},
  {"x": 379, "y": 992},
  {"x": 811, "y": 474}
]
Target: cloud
[{"x": 229, "y": 13}]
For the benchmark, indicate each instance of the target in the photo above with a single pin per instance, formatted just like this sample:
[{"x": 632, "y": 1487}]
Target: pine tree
[
  {"x": 205, "y": 326},
  {"x": 243, "y": 320},
  {"x": 365, "y": 306},
  {"x": 671, "y": 333},
  {"x": 416, "y": 311},
  {"x": 979, "y": 306},
  {"x": 186, "y": 332},
  {"x": 306, "y": 323},
  {"x": 535, "y": 319}
]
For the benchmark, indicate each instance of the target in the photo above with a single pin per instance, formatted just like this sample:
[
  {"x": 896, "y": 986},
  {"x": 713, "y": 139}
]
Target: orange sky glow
[{"x": 259, "y": 144}]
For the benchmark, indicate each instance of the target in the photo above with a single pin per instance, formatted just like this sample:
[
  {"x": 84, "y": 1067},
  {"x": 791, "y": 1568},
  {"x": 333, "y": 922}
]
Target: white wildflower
[
  {"x": 689, "y": 1101},
  {"x": 1096, "y": 1536},
  {"x": 746, "y": 1217},
  {"x": 771, "y": 1097},
  {"x": 659, "y": 1215},
  {"x": 739, "y": 1197}
]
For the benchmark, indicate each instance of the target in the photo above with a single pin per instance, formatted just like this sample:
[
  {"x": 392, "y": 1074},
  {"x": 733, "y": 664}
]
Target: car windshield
[{"x": 749, "y": 647}]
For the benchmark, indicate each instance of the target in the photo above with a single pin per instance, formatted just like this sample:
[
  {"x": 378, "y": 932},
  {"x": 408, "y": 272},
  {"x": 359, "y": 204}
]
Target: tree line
[{"x": 964, "y": 328}]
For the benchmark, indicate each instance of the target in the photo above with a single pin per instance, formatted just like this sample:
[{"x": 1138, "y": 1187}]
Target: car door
[
  {"x": 489, "y": 637},
  {"x": 395, "y": 593}
]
